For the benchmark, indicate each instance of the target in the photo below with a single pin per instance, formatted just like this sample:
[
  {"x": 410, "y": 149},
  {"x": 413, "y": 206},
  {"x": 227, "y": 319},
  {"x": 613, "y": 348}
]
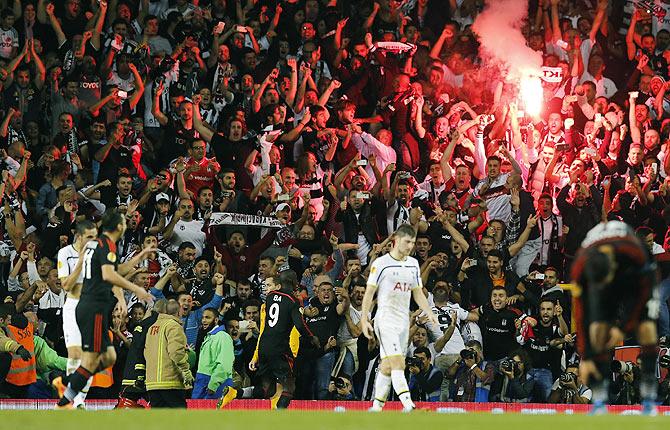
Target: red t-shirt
[{"x": 205, "y": 175}]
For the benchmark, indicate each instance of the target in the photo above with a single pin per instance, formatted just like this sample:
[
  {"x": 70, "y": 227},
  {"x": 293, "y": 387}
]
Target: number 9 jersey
[{"x": 282, "y": 314}]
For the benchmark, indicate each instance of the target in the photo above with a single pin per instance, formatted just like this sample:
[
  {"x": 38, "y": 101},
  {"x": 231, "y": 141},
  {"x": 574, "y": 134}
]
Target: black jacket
[{"x": 365, "y": 223}]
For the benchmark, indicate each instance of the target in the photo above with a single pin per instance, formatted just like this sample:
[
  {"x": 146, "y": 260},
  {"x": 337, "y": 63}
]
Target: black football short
[
  {"x": 93, "y": 322},
  {"x": 279, "y": 367}
]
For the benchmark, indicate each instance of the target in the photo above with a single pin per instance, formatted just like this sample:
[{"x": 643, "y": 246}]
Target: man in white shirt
[
  {"x": 494, "y": 188},
  {"x": 396, "y": 277},
  {"x": 379, "y": 147},
  {"x": 605, "y": 87},
  {"x": 183, "y": 228},
  {"x": 72, "y": 278}
]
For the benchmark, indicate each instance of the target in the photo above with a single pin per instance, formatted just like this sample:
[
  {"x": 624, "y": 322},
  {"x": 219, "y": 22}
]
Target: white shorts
[
  {"x": 71, "y": 332},
  {"x": 392, "y": 340}
]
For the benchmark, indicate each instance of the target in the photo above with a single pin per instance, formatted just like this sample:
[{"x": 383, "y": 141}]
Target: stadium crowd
[{"x": 243, "y": 137}]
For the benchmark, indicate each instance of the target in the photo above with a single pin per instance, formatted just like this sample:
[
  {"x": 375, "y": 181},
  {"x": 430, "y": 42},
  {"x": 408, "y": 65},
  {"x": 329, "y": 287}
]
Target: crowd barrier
[{"x": 338, "y": 406}]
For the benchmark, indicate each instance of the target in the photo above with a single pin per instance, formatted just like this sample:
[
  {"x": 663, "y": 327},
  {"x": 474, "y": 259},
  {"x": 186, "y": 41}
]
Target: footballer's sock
[
  {"x": 72, "y": 365},
  {"x": 401, "y": 388},
  {"x": 77, "y": 383},
  {"x": 382, "y": 388},
  {"x": 80, "y": 398},
  {"x": 245, "y": 393},
  {"x": 600, "y": 387},
  {"x": 284, "y": 400},
  {"x": 648, "y": 381}
]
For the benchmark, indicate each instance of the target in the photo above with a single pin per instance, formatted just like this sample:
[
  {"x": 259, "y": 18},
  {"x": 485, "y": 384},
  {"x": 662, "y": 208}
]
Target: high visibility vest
[
  {"x": 21, "y": 372},
  {"x": 104, "y": 378}
]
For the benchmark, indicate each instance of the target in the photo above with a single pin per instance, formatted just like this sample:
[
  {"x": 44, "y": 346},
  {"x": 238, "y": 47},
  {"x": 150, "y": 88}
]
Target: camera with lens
[
  {"x": 414, "y": 361},
  {"x": 468, "y": 354},
  {"x": 340, "y": 383},
  {"x": 509, "y": 365},
  {"x": 621, "y": 366},
  {"x": 567, "y": 378}
]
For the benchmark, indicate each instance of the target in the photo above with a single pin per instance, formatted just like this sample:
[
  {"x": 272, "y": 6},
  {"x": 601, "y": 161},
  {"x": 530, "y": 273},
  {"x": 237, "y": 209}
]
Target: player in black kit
[
  {"x": 619, "y": 278},
  {"x": 96, "y": 304},
  {"x": 275, "y": 359}
]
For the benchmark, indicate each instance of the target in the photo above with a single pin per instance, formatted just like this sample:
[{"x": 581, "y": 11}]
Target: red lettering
[{"x": 401, "y": 286}]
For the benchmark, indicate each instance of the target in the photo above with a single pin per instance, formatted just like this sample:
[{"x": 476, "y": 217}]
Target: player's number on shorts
[{"x": 273, "y": 313}]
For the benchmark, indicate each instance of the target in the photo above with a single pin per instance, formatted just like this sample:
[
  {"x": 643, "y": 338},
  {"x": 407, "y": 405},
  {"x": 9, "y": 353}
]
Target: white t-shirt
[
  {"x": 9, "y": 39},
  {"x": 455, "y": 344},
  {"x": 395, "y": 280},
  {"x": 67, "y": 260},
  {"x": 343, "y": 334},
  {"x": 498, "y": 199},
  {"x": 188, "y": 231}
]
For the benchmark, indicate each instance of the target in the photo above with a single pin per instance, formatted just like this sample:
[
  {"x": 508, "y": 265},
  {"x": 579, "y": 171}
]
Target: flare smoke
[{"x": 499, "y": 30}]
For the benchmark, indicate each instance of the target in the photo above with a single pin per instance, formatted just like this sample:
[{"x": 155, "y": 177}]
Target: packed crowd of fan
[{"x": 293, "y": 114}]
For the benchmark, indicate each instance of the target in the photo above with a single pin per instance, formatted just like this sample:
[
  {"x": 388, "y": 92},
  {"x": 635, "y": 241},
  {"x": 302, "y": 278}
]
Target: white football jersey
[
  {"x": 67, "y": 260},
  {"x": 455, "y": 344},
  {"x": 395, "y": 281}
]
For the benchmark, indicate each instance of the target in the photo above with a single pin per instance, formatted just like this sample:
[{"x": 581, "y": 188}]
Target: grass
[{"x": 301, "y": 420}]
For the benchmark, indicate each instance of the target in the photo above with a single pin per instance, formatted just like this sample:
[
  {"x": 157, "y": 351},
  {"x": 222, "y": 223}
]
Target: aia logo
[{"x": 402, "y": 287}]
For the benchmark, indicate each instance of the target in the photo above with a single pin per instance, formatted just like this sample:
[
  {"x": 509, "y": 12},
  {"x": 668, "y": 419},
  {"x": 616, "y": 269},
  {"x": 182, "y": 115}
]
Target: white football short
[
  {"x": 71, "y": 332},
  {"x": 393, "y": 340}
]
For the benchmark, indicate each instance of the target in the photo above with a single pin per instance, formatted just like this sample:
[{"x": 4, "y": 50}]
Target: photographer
[
  {"x": 425, "y": 379},
  {"x": 471, "y": 375},
  {"x": 340, "y": 388},
  {"x": 625, "y": 389},
  {"x": 569, "y": 389},
  {"x": 512, "y": 382}
]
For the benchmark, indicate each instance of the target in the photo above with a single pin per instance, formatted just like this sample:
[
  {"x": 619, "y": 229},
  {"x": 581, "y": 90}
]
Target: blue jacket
[{"x": 191, "y": 322}]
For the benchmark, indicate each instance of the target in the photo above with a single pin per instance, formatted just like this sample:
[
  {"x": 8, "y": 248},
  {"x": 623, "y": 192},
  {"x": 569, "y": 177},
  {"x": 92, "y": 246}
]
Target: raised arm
[
  {"x": 205, "y": 132},
  {"x": 635, "y": 133},
  {"x": 55, "y": 25},
  {"x": 139, "y": 87},
  {"x": 156, "y": 106},
  {"x": 630, "y": 37}
]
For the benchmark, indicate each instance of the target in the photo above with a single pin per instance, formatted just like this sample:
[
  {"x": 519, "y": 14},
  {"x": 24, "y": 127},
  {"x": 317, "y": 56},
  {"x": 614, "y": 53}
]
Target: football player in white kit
[
  {"x": 72, "y": 278},
  {"x": 397, "y": 277}
]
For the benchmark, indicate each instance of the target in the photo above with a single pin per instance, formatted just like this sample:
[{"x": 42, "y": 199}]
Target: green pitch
[{"x": 300, "y": 420}]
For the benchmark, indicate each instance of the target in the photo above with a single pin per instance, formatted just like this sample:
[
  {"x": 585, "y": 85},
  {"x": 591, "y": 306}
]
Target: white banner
[
  {"x": 394, "y": 46},
  {"x": 226, "y": 218},
  {"x": 552, "y": 74}
]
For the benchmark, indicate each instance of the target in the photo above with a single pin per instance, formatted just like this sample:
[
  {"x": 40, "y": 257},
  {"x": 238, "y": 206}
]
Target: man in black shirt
[
  {"x": 96, "y": 304},
  {"x": 498, "y": 325},
  {"x": 544, "y": 348},
  {"x": 275, "y": 359},
  {"x": 323, "y": 317}
]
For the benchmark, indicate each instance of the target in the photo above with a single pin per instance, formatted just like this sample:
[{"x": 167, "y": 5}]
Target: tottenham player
[
  {"x": 69, "y": 272},
  {"x": 96, "y": 303},
  {"x": 397, "y": 277},
  {"x": 619, "y": 279}
]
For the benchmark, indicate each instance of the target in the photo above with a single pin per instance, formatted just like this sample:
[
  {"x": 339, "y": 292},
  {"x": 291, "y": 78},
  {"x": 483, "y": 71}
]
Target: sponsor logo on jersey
[{"x": 402, "y": 286}]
